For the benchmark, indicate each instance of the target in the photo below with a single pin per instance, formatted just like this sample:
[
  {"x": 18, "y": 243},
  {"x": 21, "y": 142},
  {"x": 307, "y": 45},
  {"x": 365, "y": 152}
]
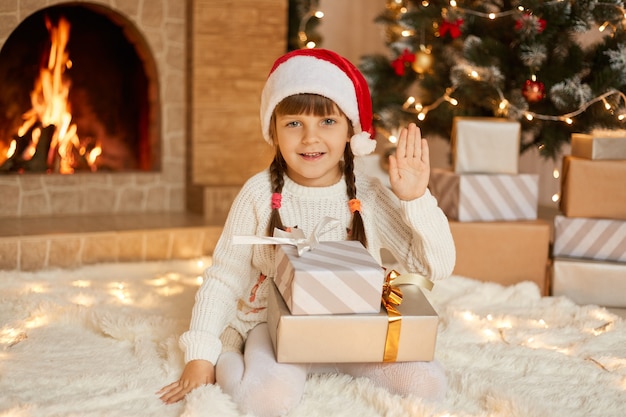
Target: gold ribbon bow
[{"x": 392, "y": 297}]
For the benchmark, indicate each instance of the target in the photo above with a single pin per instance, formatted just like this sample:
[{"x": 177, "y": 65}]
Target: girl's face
[{"x": 312, "y": 146}]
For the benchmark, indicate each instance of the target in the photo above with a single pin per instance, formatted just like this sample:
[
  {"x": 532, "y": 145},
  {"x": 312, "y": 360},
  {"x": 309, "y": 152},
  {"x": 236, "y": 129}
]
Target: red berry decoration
[{"x": 533, "y": 91}]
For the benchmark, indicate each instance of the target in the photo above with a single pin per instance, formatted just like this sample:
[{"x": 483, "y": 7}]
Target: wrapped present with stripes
[
  {"x": 316, "y": 277},
  {"x": 580, "y": 237},
  {"x": 485, "y": 197},
  {"x": 333, "y": 278}
]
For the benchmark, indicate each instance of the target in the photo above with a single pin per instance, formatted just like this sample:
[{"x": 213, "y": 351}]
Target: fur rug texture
[{"x": 101, "y": 340}]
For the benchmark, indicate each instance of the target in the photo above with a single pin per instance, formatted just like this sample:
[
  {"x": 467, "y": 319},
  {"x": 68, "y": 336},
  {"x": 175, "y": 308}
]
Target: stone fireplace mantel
[{"x": 211, "y": 60}]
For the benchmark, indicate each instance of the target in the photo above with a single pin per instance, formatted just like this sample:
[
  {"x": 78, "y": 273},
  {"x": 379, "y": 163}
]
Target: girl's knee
[
  {"x": 424, "y": 379},
  {"x": 271, "y": 397}
]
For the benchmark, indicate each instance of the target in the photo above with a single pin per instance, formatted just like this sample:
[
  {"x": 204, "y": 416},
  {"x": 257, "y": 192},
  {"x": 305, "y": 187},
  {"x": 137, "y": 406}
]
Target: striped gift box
[
  {"x": 485, "y": 197},
  {"x": 581, "y": 237},
  {"x": 333, "y": 278}
]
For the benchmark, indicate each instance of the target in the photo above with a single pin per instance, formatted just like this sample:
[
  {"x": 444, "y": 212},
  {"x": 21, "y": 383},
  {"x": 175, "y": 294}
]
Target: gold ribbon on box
[{"x": 391, "y": 298}]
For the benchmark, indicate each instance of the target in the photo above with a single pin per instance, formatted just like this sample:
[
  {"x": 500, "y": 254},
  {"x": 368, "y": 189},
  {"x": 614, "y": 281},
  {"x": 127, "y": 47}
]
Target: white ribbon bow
[{"x": 295, "y": 238}]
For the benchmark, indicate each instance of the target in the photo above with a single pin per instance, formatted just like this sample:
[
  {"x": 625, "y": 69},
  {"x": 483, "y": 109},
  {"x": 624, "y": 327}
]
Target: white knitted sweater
[{"x": 416, "y": 232}]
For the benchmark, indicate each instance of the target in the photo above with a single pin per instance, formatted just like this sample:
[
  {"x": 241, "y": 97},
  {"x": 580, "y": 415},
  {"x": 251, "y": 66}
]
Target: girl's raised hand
[{"x": 409, "y": 168}]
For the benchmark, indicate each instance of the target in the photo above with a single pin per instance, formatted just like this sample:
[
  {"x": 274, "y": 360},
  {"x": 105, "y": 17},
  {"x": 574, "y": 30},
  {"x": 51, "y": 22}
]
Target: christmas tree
[{"x": 556, "y": 66}]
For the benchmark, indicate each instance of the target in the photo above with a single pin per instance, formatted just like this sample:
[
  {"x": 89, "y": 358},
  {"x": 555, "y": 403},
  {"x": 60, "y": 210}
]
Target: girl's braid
[
  {"x": 357, "y": 230},
  {"x": 277, "y": 168}
]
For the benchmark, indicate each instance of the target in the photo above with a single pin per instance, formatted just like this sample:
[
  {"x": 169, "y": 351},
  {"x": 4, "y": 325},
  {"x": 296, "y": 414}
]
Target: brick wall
[{"x": 234, "y": 44}]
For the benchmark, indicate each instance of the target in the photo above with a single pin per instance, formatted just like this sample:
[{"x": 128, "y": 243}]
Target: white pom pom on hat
[{"x": 326, "y": 73}]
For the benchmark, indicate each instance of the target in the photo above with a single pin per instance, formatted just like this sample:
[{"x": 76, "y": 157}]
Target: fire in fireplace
[{"x": 74, "y": 95}]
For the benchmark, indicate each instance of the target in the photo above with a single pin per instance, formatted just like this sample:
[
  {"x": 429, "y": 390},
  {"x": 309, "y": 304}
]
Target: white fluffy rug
[{"x": 101, "y": 340}]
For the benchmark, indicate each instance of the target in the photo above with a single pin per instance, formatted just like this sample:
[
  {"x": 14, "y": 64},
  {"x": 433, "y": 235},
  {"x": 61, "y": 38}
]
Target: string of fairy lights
[{"x": 412, "y": 105}]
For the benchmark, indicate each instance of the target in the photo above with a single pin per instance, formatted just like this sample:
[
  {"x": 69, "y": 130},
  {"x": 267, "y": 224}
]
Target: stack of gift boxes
[
  {"x": 325, "y": 306},
  {"x": 491, "y": 206},
  {"x": 589, "y": 251}
]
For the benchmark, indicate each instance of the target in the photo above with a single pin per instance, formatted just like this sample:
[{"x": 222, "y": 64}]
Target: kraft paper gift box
[
  {"x": 332, "y": 278},
  {"x": 598, "y": 145},
  {"x": 352, "y": 337},
  {"x": 485, "y": 197},
  {"x": 581, "y": 237},
  {"x": 503, "y": 252},
  {"x": 487, "y": 145},
  {"x": 590, "y": 282},
  {"x": 591, "y": 188}
]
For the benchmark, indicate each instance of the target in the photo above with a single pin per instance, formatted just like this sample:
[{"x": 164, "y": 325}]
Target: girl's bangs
[{"x": 307, "y": 104}]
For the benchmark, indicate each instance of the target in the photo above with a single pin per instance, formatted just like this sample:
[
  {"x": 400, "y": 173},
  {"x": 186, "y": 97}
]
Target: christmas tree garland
[{"x": 558, "y": 66}]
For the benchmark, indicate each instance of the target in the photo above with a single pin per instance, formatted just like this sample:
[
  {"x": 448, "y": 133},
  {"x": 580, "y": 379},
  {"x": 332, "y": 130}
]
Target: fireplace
[
  {"x": 76, "y": 95},
  {"x": 126, "y": 97},
  {"x": 205, "y": 63}
]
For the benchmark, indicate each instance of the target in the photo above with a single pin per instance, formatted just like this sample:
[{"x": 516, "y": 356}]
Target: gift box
[
  {"x": 332, "y": 278},
  {"x": 598, "y": 146},
  {"x": 503, "y": 252},
  {"x": 485, "y": 197},
  {"x": 353, "y": 337},
  {"x": 593, "y": 188},
  {"x": 485, "y": 145},
  {"x": 581, "y": 237},
  {"x": 590, "y": 282}
]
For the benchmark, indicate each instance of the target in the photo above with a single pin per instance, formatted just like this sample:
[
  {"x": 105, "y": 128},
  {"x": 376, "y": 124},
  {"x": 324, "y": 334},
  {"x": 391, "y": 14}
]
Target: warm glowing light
[
  {"x": 529, "y": 116},
  {"x": 11, "y": 149},
  {"x": 158, "y": 282},
  {"x": 37, "y": 321},
  {"x": 393, "y": 139},
  {"x": 38, "y": 288},
  {"x": 83, "y": 300},
  {"x": 556, "y": 173},
  {"x": 319, "y": 14},
  {"x": 311, "y": 45},
  {"x": 406, "y": 33},
  {"x": 505, "y": 324},
  {"x": 556, "y": 197},
  {"x": 421, "y": 116},
  {"x": 492, "y": 16},
  {"x": 468, "y": 315},
  {"x": 80, "y": 283}
]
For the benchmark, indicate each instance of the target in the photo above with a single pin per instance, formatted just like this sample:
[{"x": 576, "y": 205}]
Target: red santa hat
[{"x": 322, "y": 72}]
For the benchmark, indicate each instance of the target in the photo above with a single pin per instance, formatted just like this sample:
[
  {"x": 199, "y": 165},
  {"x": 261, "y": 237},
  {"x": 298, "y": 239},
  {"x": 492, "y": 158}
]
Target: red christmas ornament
[{"x": 533, "y": 91}]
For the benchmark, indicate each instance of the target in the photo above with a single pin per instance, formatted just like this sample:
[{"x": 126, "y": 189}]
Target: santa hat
[{"x": 322, "y": 72}]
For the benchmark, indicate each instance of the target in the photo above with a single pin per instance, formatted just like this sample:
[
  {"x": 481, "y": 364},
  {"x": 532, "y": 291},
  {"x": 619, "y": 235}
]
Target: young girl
[{"x": 316, "y": 112}]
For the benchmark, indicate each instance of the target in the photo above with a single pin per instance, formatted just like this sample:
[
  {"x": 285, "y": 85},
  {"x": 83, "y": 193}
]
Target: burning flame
[{"x": 51, "y": 108}]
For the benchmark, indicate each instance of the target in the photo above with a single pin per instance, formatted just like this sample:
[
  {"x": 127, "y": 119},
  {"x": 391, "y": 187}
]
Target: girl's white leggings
[{"x": 265, "y": 388}]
